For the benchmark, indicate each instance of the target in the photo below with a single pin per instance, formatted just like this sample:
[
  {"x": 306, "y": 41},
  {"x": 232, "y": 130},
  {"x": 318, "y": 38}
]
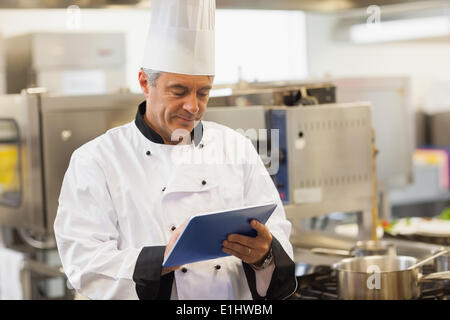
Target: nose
[{"x": 191, "y": 104}]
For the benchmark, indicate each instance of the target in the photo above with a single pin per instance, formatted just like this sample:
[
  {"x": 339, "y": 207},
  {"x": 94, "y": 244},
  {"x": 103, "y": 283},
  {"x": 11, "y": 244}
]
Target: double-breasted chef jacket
[{"x": 124, "y": 193}]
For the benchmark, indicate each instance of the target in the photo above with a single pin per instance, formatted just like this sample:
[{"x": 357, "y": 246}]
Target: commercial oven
[
  {"x": 325, "y": 159},
  {"x": 38, "y": 133}
]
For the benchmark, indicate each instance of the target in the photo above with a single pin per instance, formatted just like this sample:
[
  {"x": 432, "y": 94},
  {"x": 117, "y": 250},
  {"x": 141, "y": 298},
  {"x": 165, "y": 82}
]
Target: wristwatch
[{"x": 267, "y": 260}]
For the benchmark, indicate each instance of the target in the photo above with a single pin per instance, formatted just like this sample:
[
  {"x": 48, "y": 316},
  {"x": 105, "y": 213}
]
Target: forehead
[{"x": 168, "y": 79}]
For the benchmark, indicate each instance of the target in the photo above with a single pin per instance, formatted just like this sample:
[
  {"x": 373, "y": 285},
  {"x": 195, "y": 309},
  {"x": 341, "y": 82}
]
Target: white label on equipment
[
  {"x": 307, "y": 195},
  {"x": 84, "y": 82}
]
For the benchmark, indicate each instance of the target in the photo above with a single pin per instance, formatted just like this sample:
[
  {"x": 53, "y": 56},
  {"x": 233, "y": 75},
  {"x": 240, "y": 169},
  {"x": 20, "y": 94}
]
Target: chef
[{"x": 127, "y": 194}]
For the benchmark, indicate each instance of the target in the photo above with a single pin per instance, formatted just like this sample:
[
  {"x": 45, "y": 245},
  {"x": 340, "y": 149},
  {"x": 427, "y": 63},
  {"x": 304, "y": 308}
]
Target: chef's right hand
[{"x": 176, "y": 233}]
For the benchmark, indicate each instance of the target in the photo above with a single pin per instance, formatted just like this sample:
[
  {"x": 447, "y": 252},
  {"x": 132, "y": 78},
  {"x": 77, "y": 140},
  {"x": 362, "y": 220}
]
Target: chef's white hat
[{"x": 181, "y": 37}]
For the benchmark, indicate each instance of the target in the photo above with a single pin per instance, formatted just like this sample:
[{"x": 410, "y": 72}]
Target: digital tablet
[{"x": 203, "y": 235}]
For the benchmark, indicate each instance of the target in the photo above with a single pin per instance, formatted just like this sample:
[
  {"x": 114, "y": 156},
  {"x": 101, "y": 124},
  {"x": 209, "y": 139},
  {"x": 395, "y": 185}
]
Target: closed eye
[{"x": 178, "y": 90}]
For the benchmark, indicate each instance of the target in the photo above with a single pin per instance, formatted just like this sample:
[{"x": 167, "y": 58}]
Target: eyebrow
[
  {"x": 180, "y": 86},
  {"x": 177, "y": 86}
]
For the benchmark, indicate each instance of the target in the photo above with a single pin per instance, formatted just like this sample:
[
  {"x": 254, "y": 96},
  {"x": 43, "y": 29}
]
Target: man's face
[{"x": 176, "y": 102}]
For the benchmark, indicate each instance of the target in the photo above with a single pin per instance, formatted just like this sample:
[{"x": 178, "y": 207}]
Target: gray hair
[{"x": 152, "y": 76}]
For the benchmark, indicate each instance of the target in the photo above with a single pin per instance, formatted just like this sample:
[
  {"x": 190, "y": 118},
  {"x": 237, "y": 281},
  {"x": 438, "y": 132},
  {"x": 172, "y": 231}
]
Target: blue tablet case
[{"x": 203, "y": 235}]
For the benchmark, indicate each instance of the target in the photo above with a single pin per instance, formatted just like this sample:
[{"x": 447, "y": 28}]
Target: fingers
[
  {"x": 252, "y": 258},
  {"x": 236, "y": 247},
  {"x": 236, "y": 254},
  {"x": 246, "y": 254},
  {"x": 243, "y": 240},
  {"x": 262, "y": 230},
  {"x": 249, "y": 249}
]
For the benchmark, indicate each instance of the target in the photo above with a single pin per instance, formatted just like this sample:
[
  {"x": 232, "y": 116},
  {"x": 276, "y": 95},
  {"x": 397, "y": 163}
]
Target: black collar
[{"x": 152, "y": 135}]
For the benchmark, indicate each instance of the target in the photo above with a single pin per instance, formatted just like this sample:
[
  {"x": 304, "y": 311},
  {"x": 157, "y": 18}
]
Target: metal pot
[
  {"x": 383, "y": 277},
  {"x": 361, "y": 249}
]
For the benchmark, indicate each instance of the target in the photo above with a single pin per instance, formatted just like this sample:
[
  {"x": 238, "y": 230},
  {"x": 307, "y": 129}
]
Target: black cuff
[
  {"x": 283, "y": 282},
  {"x": 150, "y": 284}
]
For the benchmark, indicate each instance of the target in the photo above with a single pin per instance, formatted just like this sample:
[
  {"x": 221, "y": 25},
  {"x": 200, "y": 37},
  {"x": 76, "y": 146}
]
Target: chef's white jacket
[{"x": 125, "y": 191}]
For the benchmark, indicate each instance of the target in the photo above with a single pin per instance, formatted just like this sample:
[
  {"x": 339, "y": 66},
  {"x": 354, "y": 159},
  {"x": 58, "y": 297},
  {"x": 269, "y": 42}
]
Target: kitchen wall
[
  {"x": 251, "y": 45},
  {"x": 2, "y": 67},
  {"x": 427, "y": 62}
]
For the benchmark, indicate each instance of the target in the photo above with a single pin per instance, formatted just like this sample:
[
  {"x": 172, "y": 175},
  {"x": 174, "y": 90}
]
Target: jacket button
[
  {"x": 203, "y": 182},
  {"x": 173, "y": 228},
  {"x": 201, "y": 145},
  {"x": 217, "y": 266},
  {"x": 184, "y": 270},
  {"x": 163, "y": 189},
  {"x": 148, "y": 153}
]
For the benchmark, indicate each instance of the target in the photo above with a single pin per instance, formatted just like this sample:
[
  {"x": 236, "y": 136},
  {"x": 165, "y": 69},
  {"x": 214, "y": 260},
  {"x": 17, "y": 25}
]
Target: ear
[{"x": 144, "y": 83}]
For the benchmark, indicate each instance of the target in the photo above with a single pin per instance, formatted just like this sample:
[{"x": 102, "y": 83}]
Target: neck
[{"x": 148, "y": 121}]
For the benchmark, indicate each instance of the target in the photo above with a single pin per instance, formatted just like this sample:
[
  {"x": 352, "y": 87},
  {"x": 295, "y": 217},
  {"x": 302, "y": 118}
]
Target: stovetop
[{"x": 322, "y": 285}]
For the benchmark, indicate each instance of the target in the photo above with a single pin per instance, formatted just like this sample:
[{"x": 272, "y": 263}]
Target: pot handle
[
  {"x": 333, "y": 252},
  {"x": 422, "y": 262},
  {"x": 445, "y": 275}
]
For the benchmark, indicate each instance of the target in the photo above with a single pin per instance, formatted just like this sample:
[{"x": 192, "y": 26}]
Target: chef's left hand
[{"x": 248, "y": 249}]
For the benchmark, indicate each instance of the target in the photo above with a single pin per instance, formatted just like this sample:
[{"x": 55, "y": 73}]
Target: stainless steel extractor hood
[
  {"x": 305, "y": 5},
  {"x": 313, "y": 5},
  {"x": 35, "y": 4}
]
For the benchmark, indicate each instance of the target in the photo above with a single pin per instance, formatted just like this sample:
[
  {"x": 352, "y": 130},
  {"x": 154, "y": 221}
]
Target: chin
[{"x": 181, "y": 131}]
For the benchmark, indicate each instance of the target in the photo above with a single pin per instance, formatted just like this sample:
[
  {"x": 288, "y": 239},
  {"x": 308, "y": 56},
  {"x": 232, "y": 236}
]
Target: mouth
[{"x": 185, "y": 119}]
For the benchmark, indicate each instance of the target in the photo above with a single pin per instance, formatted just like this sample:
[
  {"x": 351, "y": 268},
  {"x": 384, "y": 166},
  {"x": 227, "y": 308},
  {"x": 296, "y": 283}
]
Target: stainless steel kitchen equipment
[
  {"x": 249, "y": 121},
  {"x": 275, "y": 94},
  {"x": 66, "y": 63},
  {"x": 325, "y": 153},
  {"x": 239, "y": 118},
  {"x": 382, "y": 277},
  {"x": 40, "y": 132},
  {"x": 362, "y": 249},
  {"x": 19, "y": 184}
]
